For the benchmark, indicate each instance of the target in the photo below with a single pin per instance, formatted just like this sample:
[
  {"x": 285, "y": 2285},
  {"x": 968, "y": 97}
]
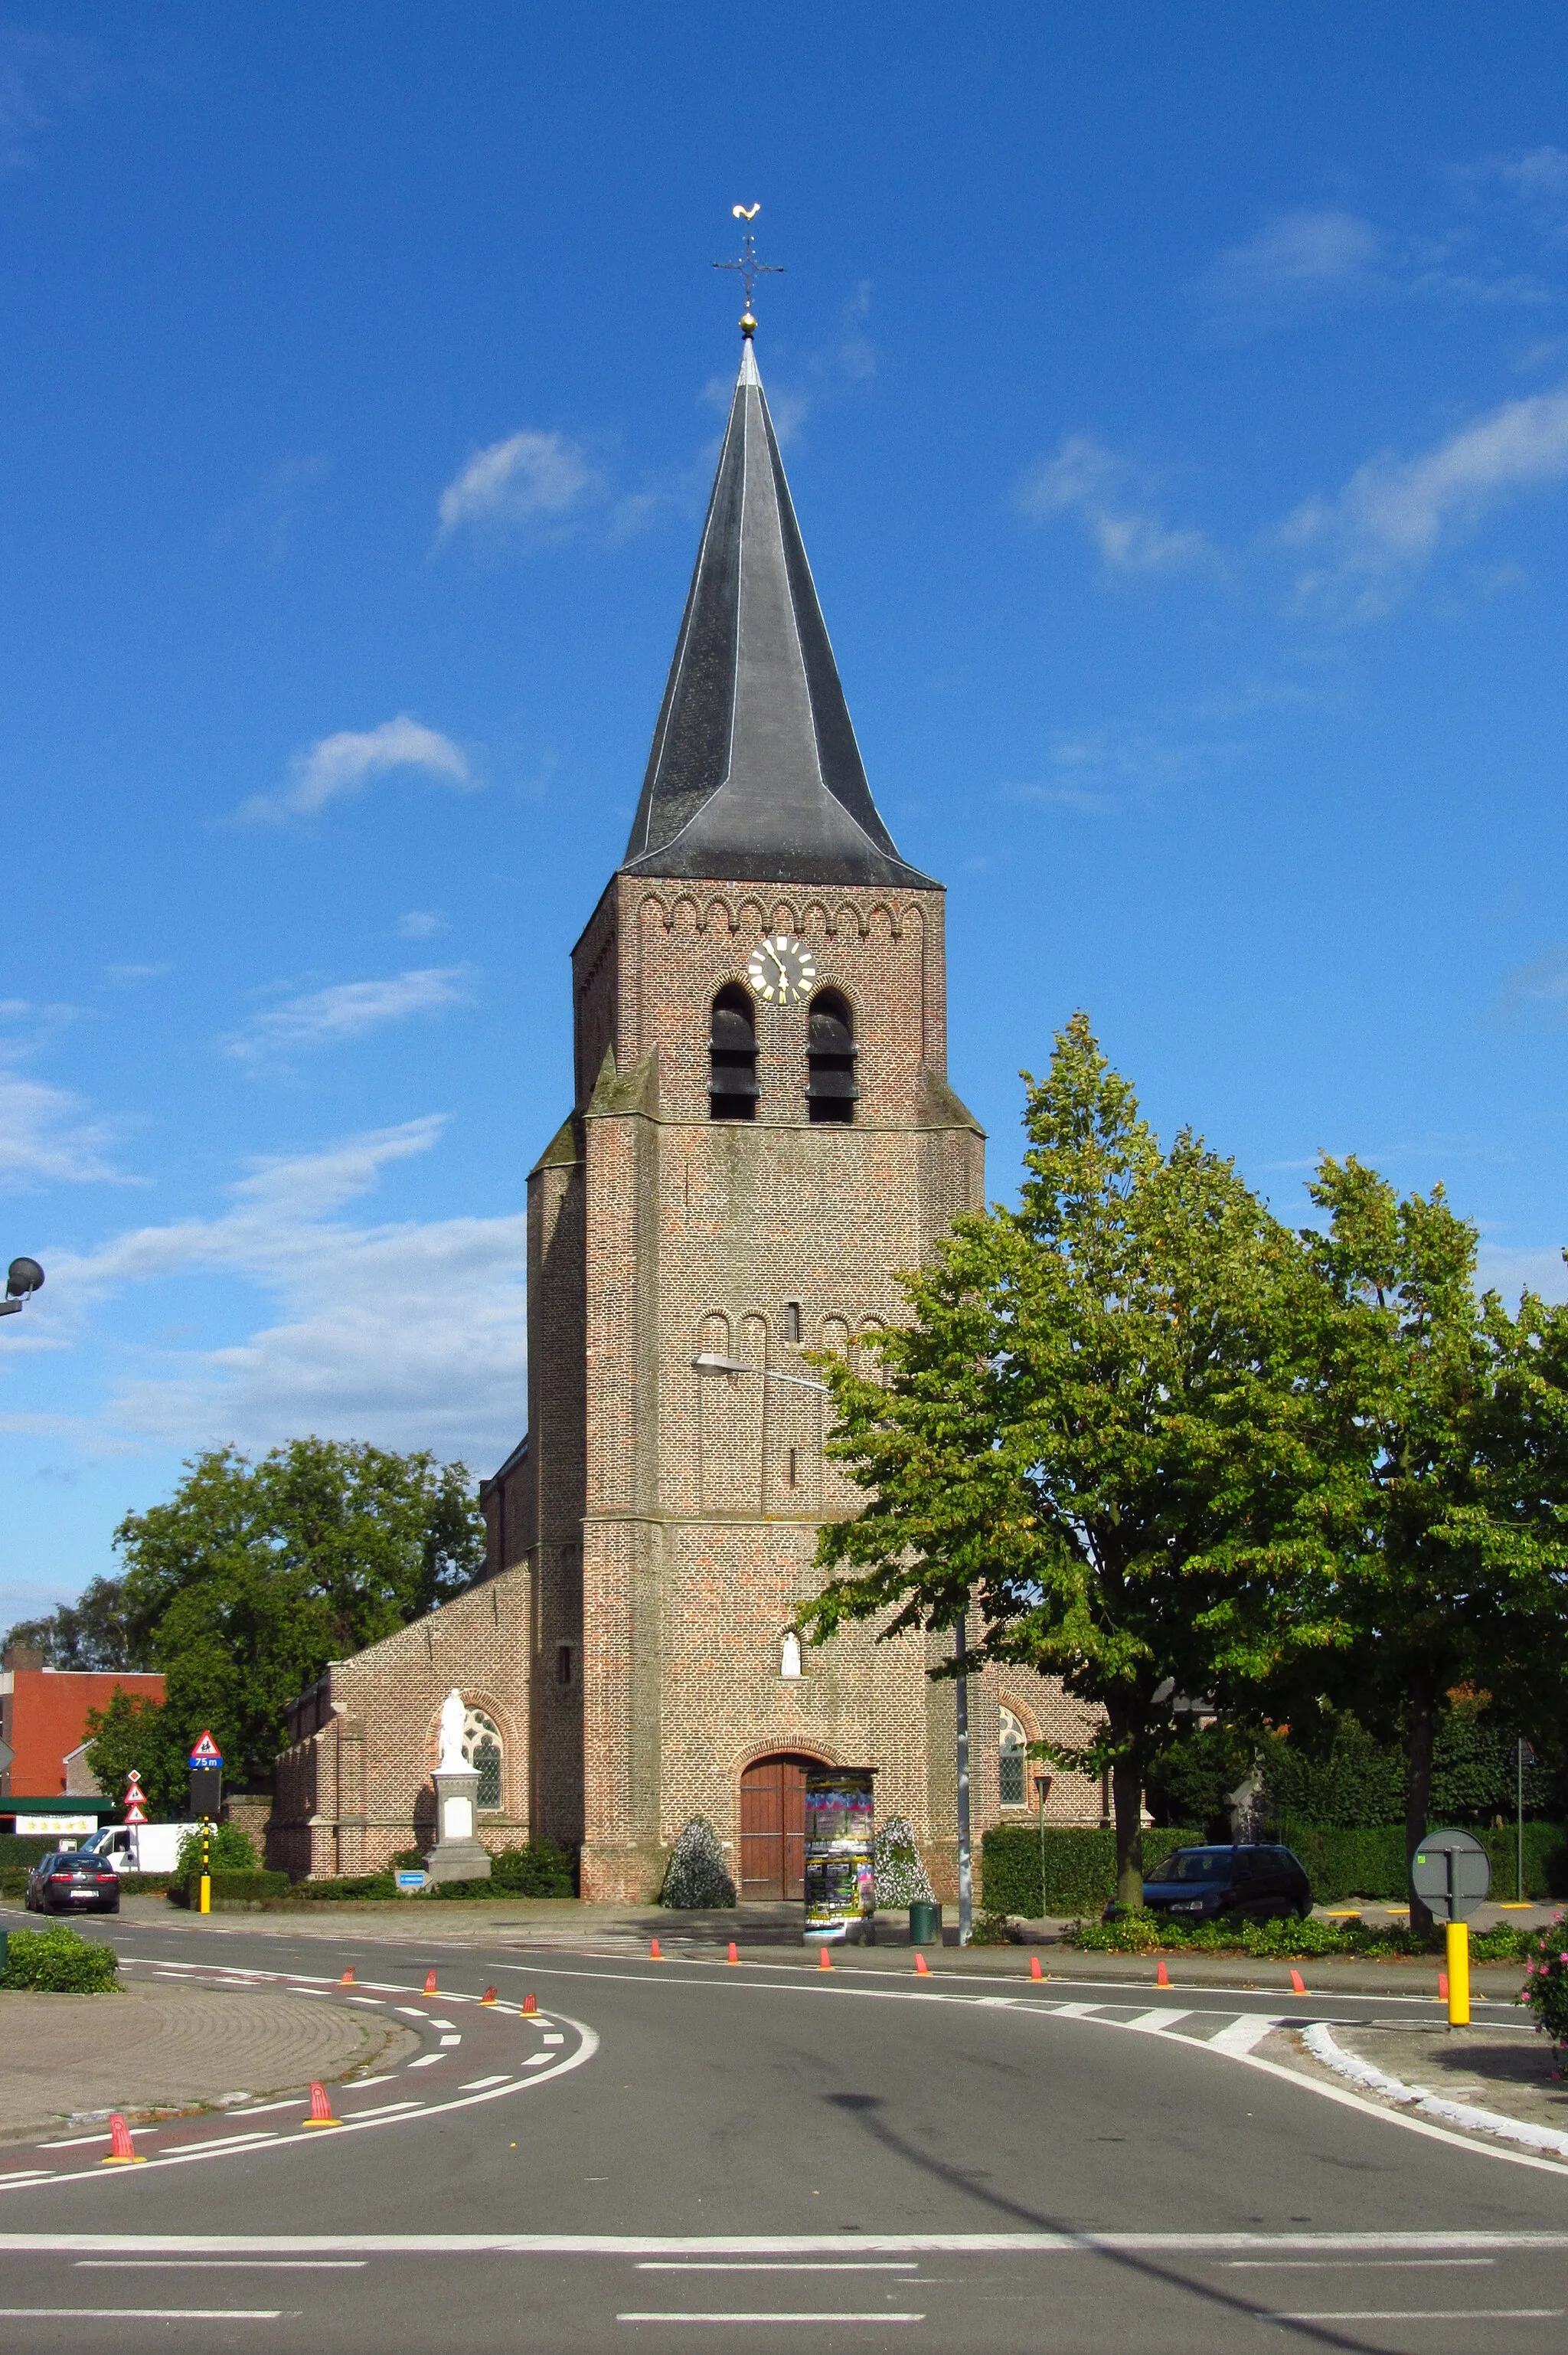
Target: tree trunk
[
  {"x": 1126, "y": 1799},
  {"x": 1417, "y": 1795}
]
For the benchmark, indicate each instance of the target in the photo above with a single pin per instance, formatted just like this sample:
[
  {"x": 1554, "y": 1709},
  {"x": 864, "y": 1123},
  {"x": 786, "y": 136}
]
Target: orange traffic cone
[
  {"x": 321, "y": 2108},
  {"x": 489, "y": 1996},
  {"x": 922, "y": 1967},
  {"x": 1441, "y": 1986},
  {"x": 347, "y": 1978},
  {"x": 1162, "y": 1976},
  {"x": 530, "y": 2006},
  {"x": 1297, "y": 1984},
  {"x": 429, "y": 1982},
  {"x": 654, "y": 1953},
  {"x": 824, "y": 1960},
  {"x": 122, "y": 2151},
  {"x": 733, "y": 1954},
  {"x": 1035, "y": 1970}
]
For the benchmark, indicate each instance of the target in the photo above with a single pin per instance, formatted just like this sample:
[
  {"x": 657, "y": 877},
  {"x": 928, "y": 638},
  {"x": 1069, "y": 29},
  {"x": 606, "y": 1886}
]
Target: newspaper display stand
[{"x": 840, "y": 1883}]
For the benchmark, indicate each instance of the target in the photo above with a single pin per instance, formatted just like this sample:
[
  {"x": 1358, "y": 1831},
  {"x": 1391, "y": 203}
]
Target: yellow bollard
[
  {"x": 206, "y": 1906},
  {"x": 205, "y": 1876},
  {"x": 1458, "y": 1936}
]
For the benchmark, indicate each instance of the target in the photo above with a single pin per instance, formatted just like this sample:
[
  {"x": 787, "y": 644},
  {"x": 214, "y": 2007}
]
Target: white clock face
[{"x": 783, "y": 969}]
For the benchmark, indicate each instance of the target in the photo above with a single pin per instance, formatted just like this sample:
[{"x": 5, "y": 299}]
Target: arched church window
[
  {"x": 732, "y": 1055},
  {"x": 1013, "y": 1750},
  {"x": 482, "y": 1748},
  {"x": 830, "y": 1050}
]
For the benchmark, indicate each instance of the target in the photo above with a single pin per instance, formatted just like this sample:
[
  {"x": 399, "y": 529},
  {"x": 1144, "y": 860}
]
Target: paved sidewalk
[{"x": 161, "y": 2047}]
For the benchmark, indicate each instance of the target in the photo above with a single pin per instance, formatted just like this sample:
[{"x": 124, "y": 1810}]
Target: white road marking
[
  {"x": 100, "y": 2133},
  {"x": 1428, "y": 2313},
  {"x": 373, "y": 2000},
  {"x": 442, "y": 2023},
  {"x": 385, "y": 2109},
  {"x": 1246, "y": 2030},
  {"x": 783, "y": 2266},
  {"x": 535, "y": 2061},
  {"x": 1070, "y": 2010},
  {"x": 447, "y": 2040},
  {"x": 142, "y": 2313},
  {"x": 1154, "y": 2023},
  {"x": 410, "y": 2012},
  {"x": 781, "y": 2244},
  {"x": 834, "y": 2320},
  {"x": 27, "y": 2175},
  {"x": 552, "y": 2040},
  {"x": 478, "y": 2084},
  {"x": 221, "y": 2265},
  {"x": 425, "y": 2061},
  {"x": 222, "y": 2142},
  {"x": 1345, "y": 2264}
]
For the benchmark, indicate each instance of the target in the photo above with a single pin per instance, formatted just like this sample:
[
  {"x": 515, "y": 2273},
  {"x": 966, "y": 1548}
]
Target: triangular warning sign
[{"x": 205, "y": 1751}]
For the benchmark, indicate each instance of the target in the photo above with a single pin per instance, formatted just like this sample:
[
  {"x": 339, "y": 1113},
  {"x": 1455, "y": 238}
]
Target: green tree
[
  {"x": 1093, "y": 1429},
  {"x": 253, "y": 1576},
  {"x": 1452, "y": 1576},
  {"x": 135, "y": 1731},
  {"x": 90, "y": 1632}
]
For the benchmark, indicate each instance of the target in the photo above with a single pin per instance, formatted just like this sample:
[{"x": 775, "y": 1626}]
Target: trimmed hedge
[
  {"x": 1080, "y": 1867},
  {"x": 59, "y": 1961},
  {"x": 230, "y": 1889},
  {"x": 1371, "y": 1863},
  {"x": 24, "y": 1849}
]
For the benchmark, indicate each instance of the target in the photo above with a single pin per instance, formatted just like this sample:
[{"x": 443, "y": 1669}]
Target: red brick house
[{"x": 43, "y": 1718}]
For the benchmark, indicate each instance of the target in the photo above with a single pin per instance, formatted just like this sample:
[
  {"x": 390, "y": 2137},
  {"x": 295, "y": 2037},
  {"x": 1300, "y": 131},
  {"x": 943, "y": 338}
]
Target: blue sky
[{"x": 1176, "y": 404}]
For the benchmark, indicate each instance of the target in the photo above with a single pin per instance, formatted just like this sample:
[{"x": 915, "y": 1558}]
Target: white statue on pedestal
[{"x": 452, "y": 1715}]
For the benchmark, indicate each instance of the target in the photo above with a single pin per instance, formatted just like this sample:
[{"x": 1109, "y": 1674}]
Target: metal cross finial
[{"x": 750, "y": 268}]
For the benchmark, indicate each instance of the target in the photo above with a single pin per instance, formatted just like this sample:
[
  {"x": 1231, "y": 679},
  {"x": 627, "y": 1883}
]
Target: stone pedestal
[{"x": 457, "y": 1854}]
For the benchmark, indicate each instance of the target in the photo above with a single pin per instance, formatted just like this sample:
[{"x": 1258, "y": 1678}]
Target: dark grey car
[
  {"x": 66, "y": 1881},
  {"x": 1258, "y": 1884}
]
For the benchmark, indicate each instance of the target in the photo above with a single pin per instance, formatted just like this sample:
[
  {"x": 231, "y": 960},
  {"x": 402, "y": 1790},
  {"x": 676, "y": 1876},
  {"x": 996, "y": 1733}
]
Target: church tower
[
  {"x": 762, "y": 1137},
  {"x": 763, "y": 1134}
]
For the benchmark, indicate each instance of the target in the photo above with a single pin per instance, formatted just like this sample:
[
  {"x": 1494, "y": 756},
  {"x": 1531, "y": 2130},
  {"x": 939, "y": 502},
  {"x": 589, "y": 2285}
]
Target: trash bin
[{"x": 924, "y": 1922}]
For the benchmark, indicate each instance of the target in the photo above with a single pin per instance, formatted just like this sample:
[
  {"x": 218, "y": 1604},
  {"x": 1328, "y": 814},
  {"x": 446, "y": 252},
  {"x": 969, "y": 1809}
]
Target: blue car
[{"x": 1256, "y": 1884}]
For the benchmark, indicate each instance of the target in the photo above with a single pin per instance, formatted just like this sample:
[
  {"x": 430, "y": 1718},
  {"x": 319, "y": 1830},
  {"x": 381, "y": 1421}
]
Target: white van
[{"x": 138, "y": 1848}]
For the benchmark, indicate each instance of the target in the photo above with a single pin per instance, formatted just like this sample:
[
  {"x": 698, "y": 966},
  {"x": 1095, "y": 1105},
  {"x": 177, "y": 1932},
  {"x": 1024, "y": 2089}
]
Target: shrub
[
  {"x": 539, "y": 1869},
  {"x": 60, "y": 1962},
  {"x": 228, "y": 1849},
  {"x": 1545, "y": 1986},
  {"x": 24, "y": 1850},
  {"x": 1371, "y": 1863},
  {"x": 698, "y": 1875},
  {"x": 901, "y": 1878},
  {"x": 241, "y": 1888},
  {"x": 1080, "y": 1867}
]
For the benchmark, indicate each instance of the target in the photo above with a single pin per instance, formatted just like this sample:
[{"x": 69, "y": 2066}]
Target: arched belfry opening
[
  {"x": 831, "y": 1051},
  {"x": 732, "y": 1055}
]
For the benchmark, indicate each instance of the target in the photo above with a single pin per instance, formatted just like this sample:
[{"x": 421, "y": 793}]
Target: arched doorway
[{"x": 773, "y": 1826}]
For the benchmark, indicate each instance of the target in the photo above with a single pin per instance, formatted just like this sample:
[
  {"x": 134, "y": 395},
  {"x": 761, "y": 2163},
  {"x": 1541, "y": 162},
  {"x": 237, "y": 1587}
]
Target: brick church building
[{"x": 762, "y": 1134}]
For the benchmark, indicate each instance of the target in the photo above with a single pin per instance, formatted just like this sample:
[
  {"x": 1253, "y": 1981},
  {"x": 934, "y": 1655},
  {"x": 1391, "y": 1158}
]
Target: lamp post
[
  {"x": 966, "y": 1861},
  {"x": 23, "y": 1278}
]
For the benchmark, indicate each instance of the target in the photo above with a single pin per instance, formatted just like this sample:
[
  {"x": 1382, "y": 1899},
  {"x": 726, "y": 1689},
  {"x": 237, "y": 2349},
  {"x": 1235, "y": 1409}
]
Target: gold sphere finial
[{"x": 747, "y": 324}]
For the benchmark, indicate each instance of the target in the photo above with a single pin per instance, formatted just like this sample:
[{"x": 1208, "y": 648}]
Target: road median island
[
  {"x": 160, "y": 2047},
  {"x": 1499, "y": 2083}
]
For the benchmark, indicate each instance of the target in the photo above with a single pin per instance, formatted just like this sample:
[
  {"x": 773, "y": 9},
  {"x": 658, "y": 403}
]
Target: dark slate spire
[{"x": 755, "y": 775}]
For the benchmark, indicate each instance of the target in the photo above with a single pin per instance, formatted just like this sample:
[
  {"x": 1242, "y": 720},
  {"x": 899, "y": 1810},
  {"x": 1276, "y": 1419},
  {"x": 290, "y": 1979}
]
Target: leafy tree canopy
[
  {"x": 1092, "y": 1432},
  {"x": 90, "y": 1632},
  {"x": 253, "y": 1576}
]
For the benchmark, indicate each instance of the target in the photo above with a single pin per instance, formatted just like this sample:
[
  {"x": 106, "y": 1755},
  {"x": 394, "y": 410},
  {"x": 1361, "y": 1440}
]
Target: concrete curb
[{"x": 1321, "y": 2043}]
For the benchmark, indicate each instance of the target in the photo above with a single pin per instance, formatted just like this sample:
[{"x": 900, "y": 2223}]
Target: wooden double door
[{"x": 773, "y": 1827}]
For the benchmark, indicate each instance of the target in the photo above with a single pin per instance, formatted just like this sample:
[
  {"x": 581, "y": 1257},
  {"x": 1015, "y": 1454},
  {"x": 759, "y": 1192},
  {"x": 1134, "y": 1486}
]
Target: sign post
[
  {"x": 1453, "y": 1874},
  {"x": 1523, "y": 1757},
  {"x": 205, "y": 1762}
]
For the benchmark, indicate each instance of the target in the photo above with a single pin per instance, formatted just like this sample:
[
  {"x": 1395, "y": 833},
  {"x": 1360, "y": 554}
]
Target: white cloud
[
  {"x": 1511, "y": 1269},
  {"x": 345, "y": 763},
  {"x": 129, "y": 972},
  {"x": 1087, "y": 480},
  {"x": 40, "y": 76},
  {"x": 1101, "y": 771},
  {"x": 1390, "y": 518},
  {"x": 409, "y": 1334},
  {"x": 1541, "y": 986},
  {"x": 350, "y": 1009},
  {"x": 48, "y": 1134},
  {"x": 419, "y": 923},
  {"x": 529, "y": 478},
  {"x": 1300, "y": 253}
]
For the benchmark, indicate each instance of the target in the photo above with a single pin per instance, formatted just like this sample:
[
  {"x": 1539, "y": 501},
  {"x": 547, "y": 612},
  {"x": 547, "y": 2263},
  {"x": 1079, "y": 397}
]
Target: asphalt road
[{"x": 684, "y": 2154}]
